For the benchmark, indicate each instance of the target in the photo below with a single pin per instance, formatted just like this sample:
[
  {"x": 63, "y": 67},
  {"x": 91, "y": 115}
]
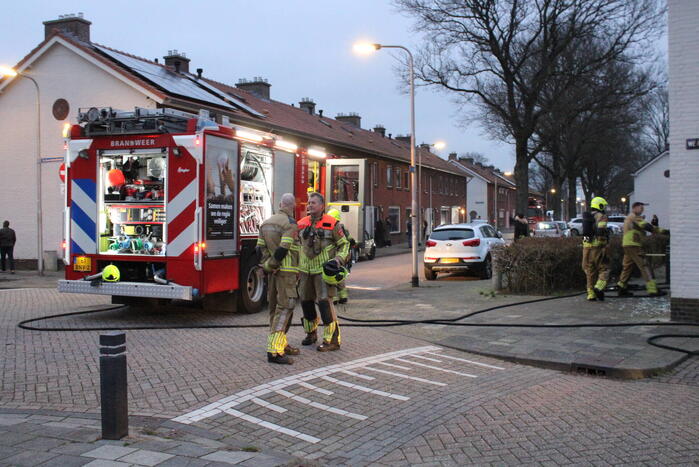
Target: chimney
[
  {"x": 320, "y": 113},
  {"x": 453, "y": 156},
  {"x": 469, "y": 160},
  {"x": 425, "y": 147},
  {"x": 176, "y": 60},
  {"x": 75, "y": 25},
  {"x": 403, "y": 139},
  {"x": 351, "y": 118},
  {"x": 380, "y": 129},
  {"x": 199, "y": 72},
  {"x": 308, "y": 105},
  {"x": 257, "y": 86}
]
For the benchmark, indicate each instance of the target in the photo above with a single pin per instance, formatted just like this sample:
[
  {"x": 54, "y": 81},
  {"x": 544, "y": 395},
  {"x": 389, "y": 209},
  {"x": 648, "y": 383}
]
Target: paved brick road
[{"x": 512, "y": 415}]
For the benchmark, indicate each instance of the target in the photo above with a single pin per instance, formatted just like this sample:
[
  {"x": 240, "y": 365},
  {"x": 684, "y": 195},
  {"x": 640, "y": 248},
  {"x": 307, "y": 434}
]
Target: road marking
[
  {"x": 467, "y": 361},
  {"x": 400, "y": 367},
  {"x": 315, "y": 388},
  {"x": 272, "y": 426},
  {"x": 357, "y": 375},
  {"x": 365, "y": 389},
  {"x": 437, "y": 368},
  {"x": 268, "y": 405},
  {"x": 401, "y": 375},
  {"x": 358, "y": 287},
  {"x": 428, "y": 358},
  {"x": 320, "y": 406}
]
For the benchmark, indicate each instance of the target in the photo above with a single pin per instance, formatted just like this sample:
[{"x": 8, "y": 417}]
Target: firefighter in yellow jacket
[
  {"x": 279, "y": 245},
  {"x": 324, "y": 248},
  {"x": 595, "y": 261},
  {"x": 635, "y": 227},
  {"x": 342, "y": 292}
]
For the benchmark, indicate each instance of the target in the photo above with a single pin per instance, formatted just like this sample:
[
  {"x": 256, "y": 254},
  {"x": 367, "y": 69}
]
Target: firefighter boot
[
  {"x": 280, "y": 359},
  {"x": 652, "y": 289},
  {"x": 289, "y": 350},
  {"x": 599, "y": 289},
  {"x": 624, "y": 290},
  {"x": 309, "y": 321},
  {"x": 591, "y": 295}
]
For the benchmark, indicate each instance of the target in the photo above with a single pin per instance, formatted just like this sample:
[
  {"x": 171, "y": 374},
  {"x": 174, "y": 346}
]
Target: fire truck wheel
[{"x": 252, "y": 293}]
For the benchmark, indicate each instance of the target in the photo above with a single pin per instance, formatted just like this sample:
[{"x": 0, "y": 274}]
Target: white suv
[{"x": 461, "y": 247}]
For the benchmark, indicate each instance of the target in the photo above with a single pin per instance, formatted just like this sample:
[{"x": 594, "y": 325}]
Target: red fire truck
[{"x": 174, "y": 201}]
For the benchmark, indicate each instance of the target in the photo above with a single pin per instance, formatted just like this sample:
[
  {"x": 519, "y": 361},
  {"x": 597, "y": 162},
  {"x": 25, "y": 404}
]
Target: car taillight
[
  {"x": 430, "y": 243},
  {"x": 472, "y": 242}
]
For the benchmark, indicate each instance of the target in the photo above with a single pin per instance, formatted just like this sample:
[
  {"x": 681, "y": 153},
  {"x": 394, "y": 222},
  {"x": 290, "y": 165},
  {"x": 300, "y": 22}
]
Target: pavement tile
[
  {"x": 28, "y": 458},
  {"x": 41, "y": 443},
  {"x": 191, "y": 450},
  {"x": 106, "y": 463},
  {"x": 182, "y": 461},
  {"x": 65, "y": 460},
  {"x": 74, "y": 448},
  {"x": 229, "y": 457},
  {"x": 109, "y": 452},
  {"x": 145, "y": 457}
]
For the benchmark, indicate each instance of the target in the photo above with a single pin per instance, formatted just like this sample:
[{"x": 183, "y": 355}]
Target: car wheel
[
  {"x": 574, "y": 232},
  {"x": 372, "y": 253},
  {"x": 430, "y": 275},
  {"x": 487, "y": 268}
]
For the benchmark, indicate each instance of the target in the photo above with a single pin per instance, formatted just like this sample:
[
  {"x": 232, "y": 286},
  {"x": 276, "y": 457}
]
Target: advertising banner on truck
[{"x": 220, "y": 191}]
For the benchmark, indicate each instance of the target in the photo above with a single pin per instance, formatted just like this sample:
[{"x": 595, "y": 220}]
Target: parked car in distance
[
  {"x": 575, "y": 226},
  {"x": 547, "y": 229},
  {"x": 615, "y": 227},
  {"x": 459, "y": 248},
  {"x": 564, "y": 228}
]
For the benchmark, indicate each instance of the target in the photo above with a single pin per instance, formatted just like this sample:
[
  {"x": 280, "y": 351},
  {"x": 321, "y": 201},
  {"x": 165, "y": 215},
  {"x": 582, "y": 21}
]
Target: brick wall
[{"x": 683, "y": 38}]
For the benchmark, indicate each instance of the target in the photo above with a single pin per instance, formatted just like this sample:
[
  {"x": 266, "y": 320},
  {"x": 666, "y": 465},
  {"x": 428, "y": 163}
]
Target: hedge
[{"x": 545, "y": 266}]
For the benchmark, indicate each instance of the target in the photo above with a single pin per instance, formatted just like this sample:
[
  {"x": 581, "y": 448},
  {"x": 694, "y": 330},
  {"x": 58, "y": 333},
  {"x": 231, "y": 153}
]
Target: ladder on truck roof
[{"x": 107, "y": 121}]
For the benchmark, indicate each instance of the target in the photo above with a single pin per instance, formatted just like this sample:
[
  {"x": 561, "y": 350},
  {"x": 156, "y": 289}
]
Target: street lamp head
[
  {"x": 553, "y": 190},
  {"x": 507, "y": 174},
  {"x": 7, "y": 71},
  {"x": 623, "y": 199},
  {"x": 365, "y": 48},
  {"x": 439, "y": 145}
]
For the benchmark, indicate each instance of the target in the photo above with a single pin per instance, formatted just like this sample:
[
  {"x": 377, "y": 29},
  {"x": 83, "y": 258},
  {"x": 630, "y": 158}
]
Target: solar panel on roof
[
  {"x": 233, "y": 99},
  {"x": 166, "y": 79}
]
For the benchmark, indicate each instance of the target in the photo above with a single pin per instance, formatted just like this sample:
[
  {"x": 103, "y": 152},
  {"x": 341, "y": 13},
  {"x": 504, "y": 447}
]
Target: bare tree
[
  {"x": 656, "y": 129},
  {"x": 476, "y": 156},
  {"x": 501, "y": 54}
]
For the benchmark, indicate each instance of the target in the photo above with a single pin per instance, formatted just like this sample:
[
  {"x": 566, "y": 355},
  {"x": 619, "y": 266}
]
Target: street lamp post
[
  {"x": 9, "y": 72},
  {"x": 365, "y": 48}
]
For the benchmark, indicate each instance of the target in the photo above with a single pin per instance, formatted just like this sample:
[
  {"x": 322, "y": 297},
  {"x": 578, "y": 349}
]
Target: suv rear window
[
  {"x": 616, "y": 219},
  {"x": 452, "y": 234}
]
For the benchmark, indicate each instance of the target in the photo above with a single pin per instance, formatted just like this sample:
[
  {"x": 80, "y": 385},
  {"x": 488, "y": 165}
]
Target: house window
[
  {"x": 374, "y": 174},
  {"x": 398, "y": 179},
  {"x": 407, "y": 181},
  {"x": 389, "y": 176},
  {"x": 394, "y": 219},
  {"x": 444, "y": 215},
  {"x": 426, "y": 183}
]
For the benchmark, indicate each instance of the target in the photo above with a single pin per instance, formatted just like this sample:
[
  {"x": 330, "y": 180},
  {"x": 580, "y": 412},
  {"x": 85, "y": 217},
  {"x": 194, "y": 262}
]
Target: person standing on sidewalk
[
  {"x": 7, "y": 246},
  {"x": 342, "y": 293},
  {"x": 595, "y": 261},
  {"x": 521, "y": 226},
  {"x": 634, "y": 228},
  {"x": 323, "y": 247},
  {"x": 278, "y": 242}
]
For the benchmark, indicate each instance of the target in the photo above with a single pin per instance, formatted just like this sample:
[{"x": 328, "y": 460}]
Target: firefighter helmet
[
  {"x": 598, "y": 203},
  {"x": 333, "y": 273},
  {"x": 336, "y": 214},
  {"x": 111, "y": 273}
]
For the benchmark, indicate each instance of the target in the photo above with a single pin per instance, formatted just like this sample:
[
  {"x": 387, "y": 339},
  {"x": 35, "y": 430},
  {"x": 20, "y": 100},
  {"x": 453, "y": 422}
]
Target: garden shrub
[{"x": 545, "y": 266}]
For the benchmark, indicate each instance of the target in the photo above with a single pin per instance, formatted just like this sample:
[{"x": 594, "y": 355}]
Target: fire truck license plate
[
  {"x": 82, "y": 263},
  {"x": 450, "y": 260}
]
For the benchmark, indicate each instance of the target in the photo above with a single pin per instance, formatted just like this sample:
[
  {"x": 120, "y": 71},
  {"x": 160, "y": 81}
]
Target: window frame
[{"x": 396, "y": 210}]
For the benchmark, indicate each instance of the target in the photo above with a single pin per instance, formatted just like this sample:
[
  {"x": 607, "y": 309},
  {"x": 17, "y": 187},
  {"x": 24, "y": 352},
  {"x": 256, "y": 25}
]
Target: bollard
[{"x": 115, "y": 411}]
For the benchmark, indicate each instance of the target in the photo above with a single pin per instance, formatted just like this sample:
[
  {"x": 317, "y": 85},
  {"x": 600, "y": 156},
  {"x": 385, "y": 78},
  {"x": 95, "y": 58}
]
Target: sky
[{"x": 302, "y": 47}]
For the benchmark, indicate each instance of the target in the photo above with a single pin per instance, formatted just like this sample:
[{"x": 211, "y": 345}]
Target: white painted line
[
  {"x": 320, "y": 406},
  {"x": 400, "y": 367},
  {"x": 467, "y": 361},
  {"x": 268, "y": 405},
  {"x": 401, "y": 375},
  {"x": 437, "y": 368},
  {"x": 426, "y": 358},
  {"x": 358, "y": 287},
  {"x": 272, "y": 426},
  {"x": 365, "y": 389},
  {"x": 316, "y": 388},
  {"x": 357, "y": 375}
]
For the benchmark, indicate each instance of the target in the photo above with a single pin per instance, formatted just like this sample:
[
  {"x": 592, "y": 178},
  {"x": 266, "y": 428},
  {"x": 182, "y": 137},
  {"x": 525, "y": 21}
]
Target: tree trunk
[
  {"x": 572, "y": 196},
  {"x": 522, "y": 174}
]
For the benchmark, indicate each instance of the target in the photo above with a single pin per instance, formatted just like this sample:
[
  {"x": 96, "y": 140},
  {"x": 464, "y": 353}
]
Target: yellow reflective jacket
[
  {"x": 279, "y": 231},
  {"x": 321, "y": 240},
  {"x": 635, "y": 228}
]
